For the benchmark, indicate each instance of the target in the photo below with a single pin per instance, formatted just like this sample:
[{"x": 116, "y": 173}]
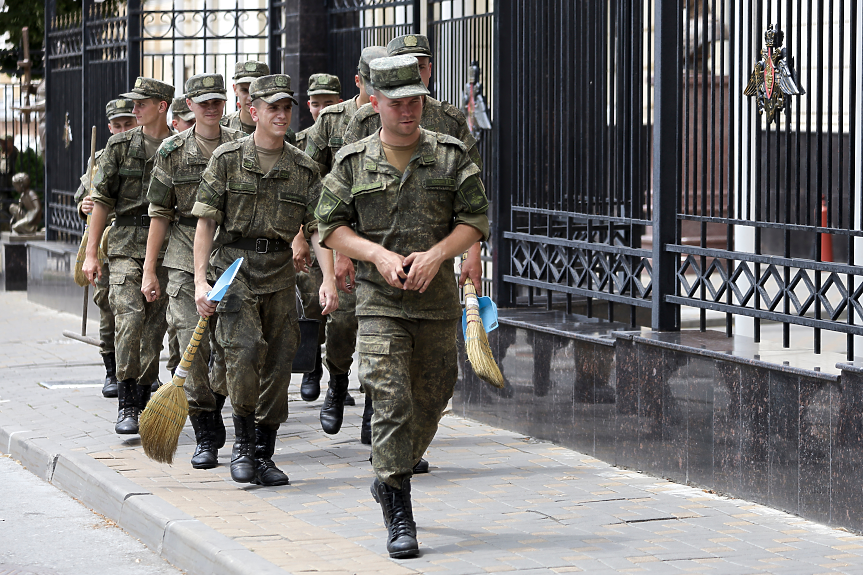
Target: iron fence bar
[
  {"x": 505, "y": 107},
  {"x": 133, "y": 33},
  {"x": 772, "y": 225},
  {"x": 767, "y": 259},
  {"x": 609, "y": 297},
  {"x": 666, "y": 163},
  {"x": 598, "y": 247}
]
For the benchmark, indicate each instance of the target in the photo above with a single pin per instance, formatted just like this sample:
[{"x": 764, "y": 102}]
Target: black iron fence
[{"x": 356, "y": 24}]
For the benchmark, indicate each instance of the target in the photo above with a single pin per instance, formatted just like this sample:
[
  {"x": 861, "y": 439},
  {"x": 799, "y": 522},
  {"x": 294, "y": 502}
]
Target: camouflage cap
[
  {"x": 409, "y": 45},
  {"x": 271, "y": 89},
  {"x": 119, "y": 108},
  {"x": 324, "y": 84},
  {"x": 245, "y": 72},
  {"x": 397, "y": 77},
  {"x": 150, "y": 88},
  {"x": 369, "y": 54},
  {"x": 179, "y": 109},
  {"x": 203, "y": 87}
]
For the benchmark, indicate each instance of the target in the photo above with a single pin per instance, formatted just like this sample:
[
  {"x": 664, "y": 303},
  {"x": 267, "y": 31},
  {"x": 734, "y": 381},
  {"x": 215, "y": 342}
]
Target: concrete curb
[{"x": 177, "y": 537}]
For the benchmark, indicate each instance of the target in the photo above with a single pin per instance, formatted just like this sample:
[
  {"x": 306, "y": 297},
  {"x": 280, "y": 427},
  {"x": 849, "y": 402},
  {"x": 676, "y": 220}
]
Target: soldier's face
[
  {"x": 425, "y": 69},
  {"x": 182, "y": 125},
  {"x": 241, "y": 91},
  {"x": 274, "y": 119},
  {"x": 320, "y": 101},
  {"x": 207, "y": 113},
  {"x": 400, "y": 116},
  {"x": 147, "y": 111},
  {"x": 121, "y": 124}
]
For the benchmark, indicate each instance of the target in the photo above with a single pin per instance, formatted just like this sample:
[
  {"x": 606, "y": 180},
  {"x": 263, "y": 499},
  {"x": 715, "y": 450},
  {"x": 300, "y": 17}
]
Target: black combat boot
[
  {"x": 266, "y": 472},
  {"x": 366, "y": 427},
  {"x": 398, "y": 518},
  {"x": 143, "y": 397},
  {"x": 349, "y": 399},
  {"x": 219, "y": 423},
  {"x": 333, "y": 409},
  {"x": 156, "y": 385},
  {"x": 127, "y": 413},
  {"x": 310, "y": 388},
  {"x": 243, "y": 454},
  {"x": 109, "y": 388},
  {"x": 206, "y": 454}
]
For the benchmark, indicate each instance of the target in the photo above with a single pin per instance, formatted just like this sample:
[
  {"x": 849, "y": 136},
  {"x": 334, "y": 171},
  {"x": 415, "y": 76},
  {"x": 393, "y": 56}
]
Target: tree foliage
[{"x": 16, "y": 14}]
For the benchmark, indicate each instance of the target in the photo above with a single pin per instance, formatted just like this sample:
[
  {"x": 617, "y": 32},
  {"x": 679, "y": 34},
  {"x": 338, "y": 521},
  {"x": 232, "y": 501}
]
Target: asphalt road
[{"x": 43, "y": 531}]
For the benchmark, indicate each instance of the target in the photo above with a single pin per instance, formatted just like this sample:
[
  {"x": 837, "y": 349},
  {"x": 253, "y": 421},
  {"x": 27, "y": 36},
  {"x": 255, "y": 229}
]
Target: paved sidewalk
[{"x": 495, "y": 501}]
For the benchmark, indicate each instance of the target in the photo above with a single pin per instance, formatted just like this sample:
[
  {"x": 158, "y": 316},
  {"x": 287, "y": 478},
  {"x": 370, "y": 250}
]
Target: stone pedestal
[{"x": 14, "y": 259}]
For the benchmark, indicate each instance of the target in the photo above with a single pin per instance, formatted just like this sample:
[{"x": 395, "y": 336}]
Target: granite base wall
[{"x": 782, "y": 436}]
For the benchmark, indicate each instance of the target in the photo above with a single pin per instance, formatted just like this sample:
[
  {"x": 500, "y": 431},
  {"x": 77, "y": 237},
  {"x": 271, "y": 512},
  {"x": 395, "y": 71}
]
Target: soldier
[
  {"x": 179, "y": 164},
  {"x": 324, "y": 91},
  {"x": 437, "y": 116},
  {"x": 416, "y": 201},
  {"x": 244, "y": 74},
  {"x": 325, "y": 139},
  {"x": 258, "y": 191},
  {"x": 120, "y": 119},
  {"x": 124, "y": 176},
  {"x": 182, "y": 117}
]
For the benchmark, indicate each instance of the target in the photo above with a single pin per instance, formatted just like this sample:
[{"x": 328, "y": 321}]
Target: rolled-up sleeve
[
  {"x": 471, "y": 202},
  {"x": 106, "y": 180}
]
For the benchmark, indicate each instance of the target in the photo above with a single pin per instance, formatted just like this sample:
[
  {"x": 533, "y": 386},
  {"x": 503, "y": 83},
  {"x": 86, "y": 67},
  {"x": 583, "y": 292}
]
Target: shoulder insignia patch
[
  {"x": 453, "y": 112},
  {"x": 350, "y": 149},
  {"x": 334, "y": 109},
  {"x": 228, "y": 147},
  {"x": 169, "y": 145}
]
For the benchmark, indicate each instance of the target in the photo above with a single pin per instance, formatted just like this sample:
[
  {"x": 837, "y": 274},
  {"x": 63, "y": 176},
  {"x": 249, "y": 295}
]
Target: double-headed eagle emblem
[{"x": 773, "y": 79}]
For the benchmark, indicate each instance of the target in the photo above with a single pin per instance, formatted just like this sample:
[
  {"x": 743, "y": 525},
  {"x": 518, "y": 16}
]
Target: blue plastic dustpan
[
  {"x": 487, "y": 313},
  {"x": 218, "y": 291}
]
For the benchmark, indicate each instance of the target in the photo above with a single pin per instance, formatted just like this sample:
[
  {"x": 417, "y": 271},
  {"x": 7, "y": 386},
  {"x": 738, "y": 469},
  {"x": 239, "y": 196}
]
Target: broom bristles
[
  {"x": 163, "y": 419},
  {"x": 80, "y": 278},
  {"x": 476, "y": 341}
]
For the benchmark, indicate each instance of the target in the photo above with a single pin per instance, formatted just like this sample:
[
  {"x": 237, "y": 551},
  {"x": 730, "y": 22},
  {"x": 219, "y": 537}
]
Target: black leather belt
[
  {"x": 184, "y": 221},
  {"x": 139, "y": 221},
  {"x": 260, "y": 245}
]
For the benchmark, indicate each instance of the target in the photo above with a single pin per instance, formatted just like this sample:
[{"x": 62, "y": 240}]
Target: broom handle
[
  {"x": 92, "y": 164},
  {"x": 182, "y": 370}
]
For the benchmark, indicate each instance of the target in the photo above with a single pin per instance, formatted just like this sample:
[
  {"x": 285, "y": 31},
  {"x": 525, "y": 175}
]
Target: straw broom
[
  {"x": 80, "y": 278},
  {"x": 476, "y": 341},
  {"x": 165, "y": 415}
]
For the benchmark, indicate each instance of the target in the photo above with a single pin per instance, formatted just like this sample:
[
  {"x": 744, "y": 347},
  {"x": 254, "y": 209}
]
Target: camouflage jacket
[
  {"x": 233, "y": 122},
  {"x": 174, "y": 188},
  {"x": 326, "y": 136},
  {"x": 84, "y": 187},
  {"x": 404, "y": 213},
  {"x": 437, "y": 116},
  {"x": 121, "y": 182},
  {"x": 300, "y": 139},
  {"x": 246, "y": 203}
]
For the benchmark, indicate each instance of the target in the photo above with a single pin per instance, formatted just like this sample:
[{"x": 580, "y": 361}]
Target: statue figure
[{"x": 27, "y": 214}]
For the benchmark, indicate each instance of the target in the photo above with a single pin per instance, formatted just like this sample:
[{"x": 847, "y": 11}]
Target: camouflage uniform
[
  {"x": 245, "y": 73},
  {"x": 173, "y": 189},
  {"x": 407, "y": 340},
  {"x": 124, "y": 176},
  {"x": 257, "y": 319}
]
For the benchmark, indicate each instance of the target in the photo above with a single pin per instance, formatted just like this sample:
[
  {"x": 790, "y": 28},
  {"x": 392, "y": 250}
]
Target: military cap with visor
[
  {"x": 204, "y": 87},
  {"x": 369, "y": 55},
  {"x": 119, "y": 108},
  {"x": 179, "y": 109},
  {"x": 410, "y": 45},
  {"x": 245, "y": 72},
  {"x": 150, "y": 88},
  {"x": 398, "y": 77},
  {"x": 324, "y": 84},
  {"x": 272, "y": 89}
]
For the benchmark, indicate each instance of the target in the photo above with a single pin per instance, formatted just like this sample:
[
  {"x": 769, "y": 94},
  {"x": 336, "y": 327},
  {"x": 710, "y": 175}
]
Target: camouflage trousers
[
  {"x": 409, "y": 368},
  {"x": 183, "y": 318},
  {"x": 106, "y": 316},
  {"x": 339, "y": 332},
  {"x": 174, "y": 351},
  {"x": 140, "y": 326},
  {"x": 258, "y": 335}
]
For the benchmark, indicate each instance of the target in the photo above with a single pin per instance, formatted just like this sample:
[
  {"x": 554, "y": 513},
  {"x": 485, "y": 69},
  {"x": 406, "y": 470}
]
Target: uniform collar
[
  {"x": 251, "y": 163},
  {"x": 136, "y": 143},
  {"x": 376, "y": 158}
]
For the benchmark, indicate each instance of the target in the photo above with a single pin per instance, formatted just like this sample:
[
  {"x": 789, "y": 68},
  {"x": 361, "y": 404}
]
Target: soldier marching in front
[
  {"x": 124, "y": 177},
  {"x": 416, "y": 201},
  {"x": 179, "y": 164},
  {"x": 257, "y": 192},
  {"x": 120, "y": 119},
  {"x": 437, "y": 116}
]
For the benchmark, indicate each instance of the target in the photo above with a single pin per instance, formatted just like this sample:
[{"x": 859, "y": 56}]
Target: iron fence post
[
  {"x": 666, "y": 162},
  {"x": 273, "y": 26},
  {"x": 508, "y": 121},
  {"x": 133, "y": 40}
]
